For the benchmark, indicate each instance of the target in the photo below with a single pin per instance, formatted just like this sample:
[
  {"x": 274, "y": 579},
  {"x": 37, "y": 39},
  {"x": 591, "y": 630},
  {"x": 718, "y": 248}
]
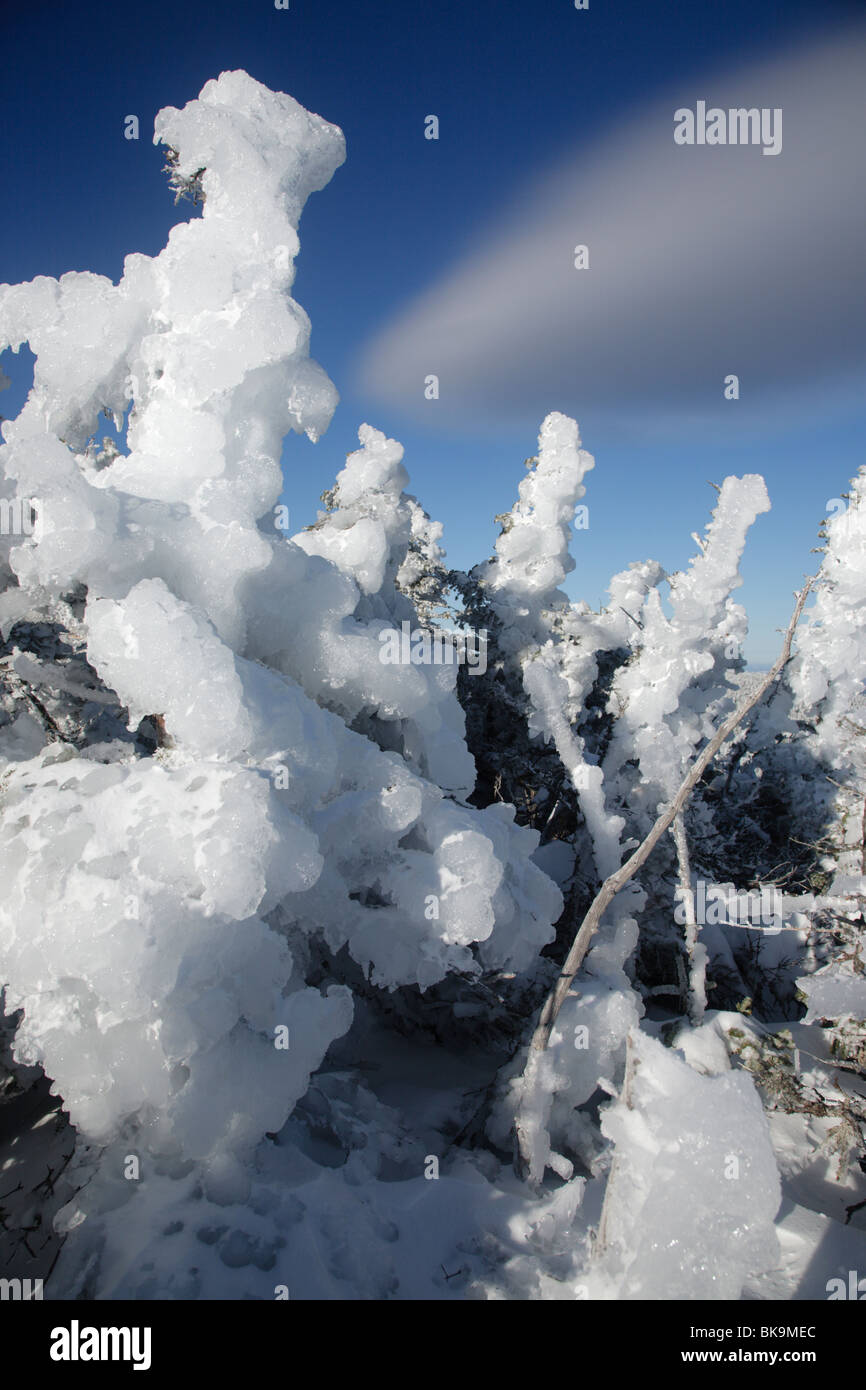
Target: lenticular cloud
[{"x": 678, "y": 239}]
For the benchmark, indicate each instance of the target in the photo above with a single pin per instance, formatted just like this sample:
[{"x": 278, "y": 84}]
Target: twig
[
  {"x": 24, "y": 691},
  {"x": 548, "y": 824},
  {"x": 855, "y": 1206},
  {"x": 636, "y": 621}
]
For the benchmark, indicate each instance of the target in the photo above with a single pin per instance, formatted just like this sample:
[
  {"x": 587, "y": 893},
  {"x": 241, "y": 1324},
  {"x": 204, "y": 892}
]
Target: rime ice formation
[
  {"x": 670, "y": 696},
  {"x": 158, "y": 911}
]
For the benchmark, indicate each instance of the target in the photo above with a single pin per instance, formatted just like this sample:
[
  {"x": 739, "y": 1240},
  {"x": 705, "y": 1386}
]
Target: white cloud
[{"x": 704, "y": 261}]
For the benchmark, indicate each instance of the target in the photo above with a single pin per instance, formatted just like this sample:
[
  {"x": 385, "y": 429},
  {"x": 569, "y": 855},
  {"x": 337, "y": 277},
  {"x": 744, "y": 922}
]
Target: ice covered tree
[
  {"x": 671, "y": 696},
  {"x": 170, "y": 913},
  {"x": 828, "y": 677},
  {"x": 828, "y": 686},
  {"x": 371, "y": 533},
  {"x": 516, "y": 596}
]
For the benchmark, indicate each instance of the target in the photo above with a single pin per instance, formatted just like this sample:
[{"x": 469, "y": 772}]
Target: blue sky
[{"x": 551, "y": 120}]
